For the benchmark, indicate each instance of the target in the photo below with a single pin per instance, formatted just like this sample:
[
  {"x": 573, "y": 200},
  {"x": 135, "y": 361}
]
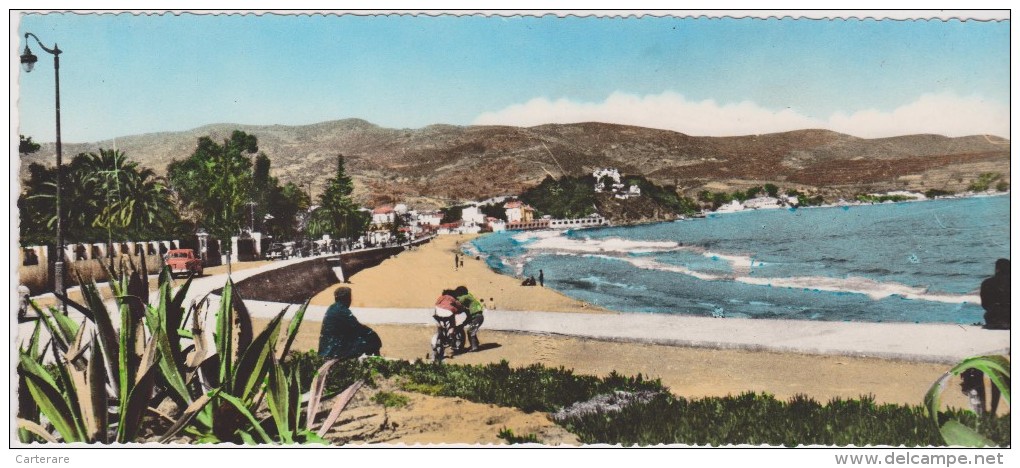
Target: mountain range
[{"x": 439, "y": 165}]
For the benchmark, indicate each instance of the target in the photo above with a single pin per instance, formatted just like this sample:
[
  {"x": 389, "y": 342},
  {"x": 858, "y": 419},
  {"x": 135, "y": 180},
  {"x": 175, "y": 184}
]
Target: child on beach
[{"x": 475, "y": 309}]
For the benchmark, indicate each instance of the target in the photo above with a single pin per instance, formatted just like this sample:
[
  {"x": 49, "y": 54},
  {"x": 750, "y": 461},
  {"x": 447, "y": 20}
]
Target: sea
[{"x": 916, "y": 262}]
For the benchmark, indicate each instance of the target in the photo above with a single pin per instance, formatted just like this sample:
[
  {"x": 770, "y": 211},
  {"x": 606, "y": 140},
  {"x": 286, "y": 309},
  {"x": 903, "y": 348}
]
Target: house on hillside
[
  {"x": 430, "y": 218},
  {"x": 762, "y": 203},
  {"x": 518, "y": 212},
  {"x": 496, "y": 224},
  {"x": 383, "y": 215},
  {"x": 472, "y": 216}
]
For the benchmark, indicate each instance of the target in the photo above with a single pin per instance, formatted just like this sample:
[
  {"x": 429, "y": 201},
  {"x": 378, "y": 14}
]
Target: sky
[{"x": 125, "y": 74}]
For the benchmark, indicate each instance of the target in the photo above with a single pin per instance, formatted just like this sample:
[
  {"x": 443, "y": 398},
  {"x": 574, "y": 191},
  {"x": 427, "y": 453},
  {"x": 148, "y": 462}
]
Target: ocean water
[{"x": 902, "y": 262}]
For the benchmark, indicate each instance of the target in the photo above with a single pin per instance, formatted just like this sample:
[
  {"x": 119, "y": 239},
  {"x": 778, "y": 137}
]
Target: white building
[
  {"x": 762, "y": 203},
  {"x": 383, "y": 215},
  {"x": 472, "y": 215},
  {"x": 496, "y": 224},
  {"x": 518, "y": 212},
  {"x": 431, "y": 218}
]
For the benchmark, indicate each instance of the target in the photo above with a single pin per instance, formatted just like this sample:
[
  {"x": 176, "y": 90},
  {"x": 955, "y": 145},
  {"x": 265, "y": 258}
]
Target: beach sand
[{"x": 415, "y": 278}]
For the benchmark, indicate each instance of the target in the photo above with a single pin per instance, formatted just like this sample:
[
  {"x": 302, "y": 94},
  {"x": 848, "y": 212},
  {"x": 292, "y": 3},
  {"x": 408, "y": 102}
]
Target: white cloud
[{"x": 944, "y": 114}]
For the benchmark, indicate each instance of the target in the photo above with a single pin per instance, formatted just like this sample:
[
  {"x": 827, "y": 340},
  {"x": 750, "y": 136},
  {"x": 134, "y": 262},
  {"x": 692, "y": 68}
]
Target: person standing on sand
[
  {"x": 541, "y": 278},
  {"x": 474, "y": 314},
  {"x": 343, "y": 336},
  {"x": 995, "y": 297},
  {"x": 456, "y": 261},
  {"x": 995, "y": 300}
]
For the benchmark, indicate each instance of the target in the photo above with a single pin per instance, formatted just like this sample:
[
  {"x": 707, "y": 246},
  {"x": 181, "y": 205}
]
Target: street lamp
[{"x": 28, "y": 60}]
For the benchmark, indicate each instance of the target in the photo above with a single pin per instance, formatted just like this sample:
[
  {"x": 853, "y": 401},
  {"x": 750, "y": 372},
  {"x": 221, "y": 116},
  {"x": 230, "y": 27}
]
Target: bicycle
[{"x": 448, "y": 335}]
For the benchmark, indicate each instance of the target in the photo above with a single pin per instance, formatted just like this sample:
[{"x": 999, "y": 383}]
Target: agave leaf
[
  {"x": 294, "y": 402},
  {"x": 77, "y": 347},
  {"x": 32, "y": 348},
  {"x": 292, "y": 330},
  {"x": 996, "y": 368},
  {"x": 27, "y": 408},
  {"x": 251, "y": 369},
  {"x": 97, "y": 392},
  {"x": 309, "y": 437},
  {"x": 317, "y": 388},
  {"x": 133, "y": 408},
  {"x": 51, "y": 401},
  {"x": 36, "y": 429},
  {"x": 66, "y": 324},
  {"x": 79, "y": 379},
  {"x": 66, "y": 383},
  {"x": 279, "y": 400},
  {"x": 73, "y": 304},
  {"x": 240, "y": 407},
  {"x": 225, "y": 335},
  {"x": 108, "y": 338},
  {"x": 57, "y": 335},
  {"x": 338, "y": 406},
  {"x": 247, "y": 438},
  {"x": 242, "y": 320},
  {"x": 170, "y": 370},
  {"x": 175, "y": 309},
  {"x": 959, "y": 435},
  {"x": 189, "y": 413}
]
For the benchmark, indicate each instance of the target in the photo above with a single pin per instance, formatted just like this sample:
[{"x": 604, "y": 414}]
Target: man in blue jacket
[{"x": 343, "y": 336}]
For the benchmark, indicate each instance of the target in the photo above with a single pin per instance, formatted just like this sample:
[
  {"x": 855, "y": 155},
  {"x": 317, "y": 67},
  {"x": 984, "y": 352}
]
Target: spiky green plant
[
  {"x": 150, "y": 357},
  {"x": 997, "y": 369}
]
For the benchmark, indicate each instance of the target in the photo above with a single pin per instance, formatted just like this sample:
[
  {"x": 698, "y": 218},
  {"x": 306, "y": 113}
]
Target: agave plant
[
  {"x": 954, "y": 432},
  {"x": 99, "y": 389}
]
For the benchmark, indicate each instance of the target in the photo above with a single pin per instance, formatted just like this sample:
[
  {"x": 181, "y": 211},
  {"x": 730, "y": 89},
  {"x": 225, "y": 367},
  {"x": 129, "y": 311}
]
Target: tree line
[{"x": 222, "y": 187}]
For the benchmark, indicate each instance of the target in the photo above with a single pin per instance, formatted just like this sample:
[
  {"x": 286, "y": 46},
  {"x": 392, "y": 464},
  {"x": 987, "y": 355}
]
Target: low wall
[{"x": 294, "y": 284}]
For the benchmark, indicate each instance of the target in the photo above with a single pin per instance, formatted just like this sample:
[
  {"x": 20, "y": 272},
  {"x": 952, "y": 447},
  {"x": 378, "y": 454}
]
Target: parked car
[
  {"x": 281, "y": 251},
  {"x": 183, "y": 262}
]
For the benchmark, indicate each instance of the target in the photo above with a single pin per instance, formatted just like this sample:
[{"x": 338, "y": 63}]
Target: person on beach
[
  {"x": 456, "y": 262},
  {"x": 995, "y": 301},
  {"x": 343, "y": 336},
  {"x": 447, "y": 310},
  {"x": 995, "y": 297},
  {"x": 475, "y": 309},
  {"x": 541, "y": 278}
]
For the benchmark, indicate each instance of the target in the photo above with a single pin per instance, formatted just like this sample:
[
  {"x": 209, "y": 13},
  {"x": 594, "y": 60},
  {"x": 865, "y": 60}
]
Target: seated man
[{"x": 342, "y": 335}]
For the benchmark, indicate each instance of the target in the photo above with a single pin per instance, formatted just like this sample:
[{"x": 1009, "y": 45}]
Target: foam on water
[{"x": 774, "y": 264}]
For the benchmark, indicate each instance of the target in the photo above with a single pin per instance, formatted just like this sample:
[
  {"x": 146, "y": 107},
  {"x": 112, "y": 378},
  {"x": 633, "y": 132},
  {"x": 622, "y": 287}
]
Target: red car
[{"x": 183, "y": 262}]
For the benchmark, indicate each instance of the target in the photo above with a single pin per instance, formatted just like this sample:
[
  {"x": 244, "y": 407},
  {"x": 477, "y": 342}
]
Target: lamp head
[{"x": 28, "y": 60}]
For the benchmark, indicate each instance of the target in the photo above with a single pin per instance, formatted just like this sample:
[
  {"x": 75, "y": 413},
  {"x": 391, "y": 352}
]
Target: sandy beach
[{"x": 414, "y": 278}]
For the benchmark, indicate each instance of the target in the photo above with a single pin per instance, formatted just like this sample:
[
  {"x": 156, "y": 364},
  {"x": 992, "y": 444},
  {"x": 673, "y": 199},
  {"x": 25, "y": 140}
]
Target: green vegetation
[
  {"x": 452, "y": 214},
  {"x": 214, "y": 184},
  {"x": 508, "y": 435},
  {"x": 391, "y": 400},
  {"x": 984, "y": 181},
  {"x": 338, "y": 215},
  {"x": 665, "y": 197},
  {"x": 654, "y": 416},
  {"x": 869, "y": 198},
  {"x": 566, "y": 197},
  {"x": 26, "y": 145},
  {"x": 107, "y": 388},
  {"x": 574, "y": 197},
  {"x": 105, "y": 196},
  {"x": 935, "y": 193},
  {"x": 957, "y": 432}
]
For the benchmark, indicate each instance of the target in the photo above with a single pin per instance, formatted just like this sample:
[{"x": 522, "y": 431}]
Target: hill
[{"x": 442, "y": 164}]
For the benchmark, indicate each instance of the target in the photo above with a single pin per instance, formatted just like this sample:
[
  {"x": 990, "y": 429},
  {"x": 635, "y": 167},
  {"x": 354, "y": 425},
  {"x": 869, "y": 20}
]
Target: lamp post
[{"x": 28, "y": 60}]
